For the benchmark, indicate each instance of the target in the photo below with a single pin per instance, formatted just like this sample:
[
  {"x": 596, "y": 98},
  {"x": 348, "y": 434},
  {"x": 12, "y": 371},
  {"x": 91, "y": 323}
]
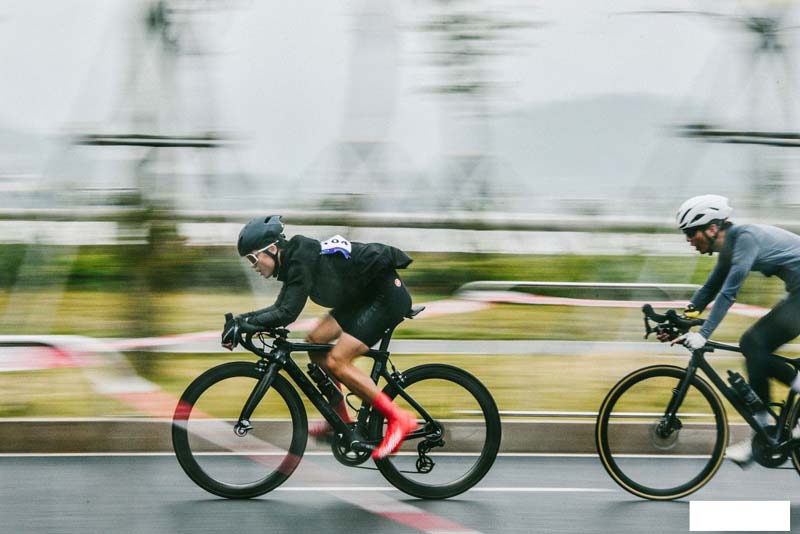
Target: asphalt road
[{"x": 150, "y": 494}]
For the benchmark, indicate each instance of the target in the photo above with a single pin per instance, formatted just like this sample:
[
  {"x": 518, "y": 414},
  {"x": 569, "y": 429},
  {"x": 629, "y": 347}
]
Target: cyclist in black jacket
[{"x": 358, "y": 281}]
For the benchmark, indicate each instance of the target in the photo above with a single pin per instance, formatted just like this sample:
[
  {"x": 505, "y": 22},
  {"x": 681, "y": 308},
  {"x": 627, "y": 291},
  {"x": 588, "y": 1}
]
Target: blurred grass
[
  {"x": 95, "y": 293},
  {"x": 510, "y": 321},
  {"x": 179, "y": 268},
  {"x": 517, "y": 382},
  {"x": 101, "y": 314},
  {"x": 98, "y": 300}
]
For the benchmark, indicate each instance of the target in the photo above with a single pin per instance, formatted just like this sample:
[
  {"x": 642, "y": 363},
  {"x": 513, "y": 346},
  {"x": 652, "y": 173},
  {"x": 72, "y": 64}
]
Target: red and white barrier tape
[{"x": 516, "y": 297}]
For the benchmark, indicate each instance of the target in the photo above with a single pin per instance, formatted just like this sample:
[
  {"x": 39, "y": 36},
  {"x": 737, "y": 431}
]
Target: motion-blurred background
[{"x": 493, "y": 140}]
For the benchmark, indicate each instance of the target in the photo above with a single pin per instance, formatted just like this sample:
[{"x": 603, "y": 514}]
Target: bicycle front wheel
[
  {"x": 462, "y": 435},
  {"x": 653, "y": 456},
  {"x": 221, "y": 458}
]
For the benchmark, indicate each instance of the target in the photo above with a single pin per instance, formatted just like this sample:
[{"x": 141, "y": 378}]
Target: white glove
[{"x": 691, "y": 340}]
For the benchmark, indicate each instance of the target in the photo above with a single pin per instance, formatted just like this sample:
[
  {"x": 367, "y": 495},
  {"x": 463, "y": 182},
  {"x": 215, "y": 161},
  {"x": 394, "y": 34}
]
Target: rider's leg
[
  {"x": 779, "y": 326},
  {"x": 339, "y": 362},
  {"x": 789, "y": 319},
  {"x": 326, "y": 331},
  {"x": 364, "y": 324}
]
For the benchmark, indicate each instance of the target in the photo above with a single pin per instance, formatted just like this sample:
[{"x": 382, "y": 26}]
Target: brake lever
[{"x": 647, "y": 328}]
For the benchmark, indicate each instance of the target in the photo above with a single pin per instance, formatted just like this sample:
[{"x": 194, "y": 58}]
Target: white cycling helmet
[{"x": 701, "y": 210}]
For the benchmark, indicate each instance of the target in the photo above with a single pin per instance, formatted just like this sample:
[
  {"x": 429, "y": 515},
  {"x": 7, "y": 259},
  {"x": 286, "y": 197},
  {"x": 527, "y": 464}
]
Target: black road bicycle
[
  {"x": 240, "y": 429},
  {"x": 662, "y": 430}
]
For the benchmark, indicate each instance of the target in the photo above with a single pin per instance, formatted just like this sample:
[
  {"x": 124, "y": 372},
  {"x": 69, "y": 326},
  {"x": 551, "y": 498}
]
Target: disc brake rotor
[{"x": 661, "y": 439}]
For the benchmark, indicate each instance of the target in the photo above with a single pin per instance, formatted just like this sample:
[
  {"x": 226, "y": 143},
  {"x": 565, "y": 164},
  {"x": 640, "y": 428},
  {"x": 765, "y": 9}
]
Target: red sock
[
  {"x": 399, "y": 424},
  {"x": 384, "y": 404}
]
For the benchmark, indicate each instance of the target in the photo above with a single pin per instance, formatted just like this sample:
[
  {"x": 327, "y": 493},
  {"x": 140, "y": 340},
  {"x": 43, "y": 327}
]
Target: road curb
[{"x": 19, "y": 436}]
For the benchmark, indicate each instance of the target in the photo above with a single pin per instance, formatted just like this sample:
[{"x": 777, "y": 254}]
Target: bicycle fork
[
  {"x": 243, "y": 426},
  {"x": 669, "y": 421}
]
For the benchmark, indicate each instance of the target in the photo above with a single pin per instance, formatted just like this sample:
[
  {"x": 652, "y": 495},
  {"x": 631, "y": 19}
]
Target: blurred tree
[{"x": 468, "y": 36}]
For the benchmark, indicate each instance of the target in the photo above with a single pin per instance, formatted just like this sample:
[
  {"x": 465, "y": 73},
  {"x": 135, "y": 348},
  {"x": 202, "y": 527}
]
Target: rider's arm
[
  {"x": 706, "y": 294},
  {"x": 270, "y": 308},
  {"x": 290, "y": 302},
  {"x": 742, "y": 260}
]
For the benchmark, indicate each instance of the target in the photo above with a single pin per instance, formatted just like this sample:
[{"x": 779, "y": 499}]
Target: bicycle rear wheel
[
  {"x": 650, "y": 456},
  {"x": 793, "y": 422},
  {"x": 465, "y": 411},
  {"x": 227, "y": 463}
]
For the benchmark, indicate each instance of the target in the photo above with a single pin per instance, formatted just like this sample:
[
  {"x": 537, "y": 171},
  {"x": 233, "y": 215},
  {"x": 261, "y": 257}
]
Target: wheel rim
[
  {"x": 794, "y": 420},
  {"x": 653, "y": 457},
  {"x": 220, "y": 458},
  {"x": 466, "y": 449}
]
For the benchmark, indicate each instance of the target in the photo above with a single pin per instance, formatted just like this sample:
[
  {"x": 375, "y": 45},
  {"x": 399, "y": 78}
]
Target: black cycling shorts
[{"x": 369, "y": 319}]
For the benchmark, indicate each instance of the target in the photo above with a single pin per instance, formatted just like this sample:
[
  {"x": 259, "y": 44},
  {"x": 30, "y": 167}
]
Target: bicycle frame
[
  {"x": 704, "y": 447},
  {"x": 279, "y": 358},
  {"x": 698, "y": 361}
]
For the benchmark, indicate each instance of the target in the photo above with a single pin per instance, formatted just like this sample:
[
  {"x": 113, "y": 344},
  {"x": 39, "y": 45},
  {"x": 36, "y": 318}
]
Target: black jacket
[{"x": 331, "y": 280}]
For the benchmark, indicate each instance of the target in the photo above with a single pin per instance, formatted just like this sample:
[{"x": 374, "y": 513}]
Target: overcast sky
[{"x": 284, "y": 72}]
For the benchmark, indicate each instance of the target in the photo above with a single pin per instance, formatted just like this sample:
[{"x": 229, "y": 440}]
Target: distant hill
[{"x": 612, "y": 145}]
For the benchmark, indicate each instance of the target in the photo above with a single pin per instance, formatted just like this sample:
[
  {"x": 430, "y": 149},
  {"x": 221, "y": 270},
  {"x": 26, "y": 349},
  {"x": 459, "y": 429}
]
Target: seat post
[{"x": 387, "y": 337}]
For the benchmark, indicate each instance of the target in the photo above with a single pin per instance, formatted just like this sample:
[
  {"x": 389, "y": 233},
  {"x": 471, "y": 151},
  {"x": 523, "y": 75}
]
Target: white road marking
[
  {"x": 478, "y": 489},
  {"x": 307, "y": 453}
]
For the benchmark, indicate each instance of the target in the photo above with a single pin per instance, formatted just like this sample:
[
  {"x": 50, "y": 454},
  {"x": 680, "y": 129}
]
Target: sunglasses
[
  {"x": 690, "y": 232},
  {"x": 253, "y": 256}
]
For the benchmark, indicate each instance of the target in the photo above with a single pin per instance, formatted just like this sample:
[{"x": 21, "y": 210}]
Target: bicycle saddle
[{"x": 414, "y": 311}]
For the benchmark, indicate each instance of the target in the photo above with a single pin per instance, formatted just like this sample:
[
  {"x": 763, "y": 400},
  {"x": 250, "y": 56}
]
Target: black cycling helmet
[{"x": 259, "y": 233}]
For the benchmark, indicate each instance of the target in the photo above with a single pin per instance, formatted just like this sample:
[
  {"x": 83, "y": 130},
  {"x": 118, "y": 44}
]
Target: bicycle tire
[
  {"x": 794, "y": 418},
  {"x": 476, "y": 434},
  {"x": 635, "y": 445},
  {"x": 206, "y": 445}
]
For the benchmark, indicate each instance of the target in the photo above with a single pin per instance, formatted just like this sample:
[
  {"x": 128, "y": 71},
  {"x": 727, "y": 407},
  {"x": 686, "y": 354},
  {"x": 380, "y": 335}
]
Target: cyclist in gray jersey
[{"x": 744, "y": 248}]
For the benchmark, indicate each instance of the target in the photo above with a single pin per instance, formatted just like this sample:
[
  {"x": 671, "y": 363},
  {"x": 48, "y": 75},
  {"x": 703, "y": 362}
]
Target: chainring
[
  {"x": 764, "y": 454},
  {"x": 344, "y": 454}
]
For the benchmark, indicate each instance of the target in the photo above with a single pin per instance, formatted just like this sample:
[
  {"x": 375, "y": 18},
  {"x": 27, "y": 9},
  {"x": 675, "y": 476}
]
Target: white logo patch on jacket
[{"x": 336, "y": 244}]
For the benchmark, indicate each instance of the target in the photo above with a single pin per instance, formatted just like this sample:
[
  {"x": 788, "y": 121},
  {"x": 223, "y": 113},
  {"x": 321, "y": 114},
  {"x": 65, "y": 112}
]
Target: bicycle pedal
[{"x": 360, "y": 446}]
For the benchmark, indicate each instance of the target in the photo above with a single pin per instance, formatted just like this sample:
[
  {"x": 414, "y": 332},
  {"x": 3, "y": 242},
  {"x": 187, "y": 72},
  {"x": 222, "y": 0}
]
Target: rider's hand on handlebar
[
  {"x": 249, "y": 328},
  {"x": 691, "y": 340},
  {"x": 228, "y": 332},
  {"x": 235, "y": 326}
]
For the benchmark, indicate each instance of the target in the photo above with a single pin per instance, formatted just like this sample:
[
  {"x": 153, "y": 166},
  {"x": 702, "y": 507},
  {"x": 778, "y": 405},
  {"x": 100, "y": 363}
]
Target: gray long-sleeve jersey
[{"x": 748, "y": 247}]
